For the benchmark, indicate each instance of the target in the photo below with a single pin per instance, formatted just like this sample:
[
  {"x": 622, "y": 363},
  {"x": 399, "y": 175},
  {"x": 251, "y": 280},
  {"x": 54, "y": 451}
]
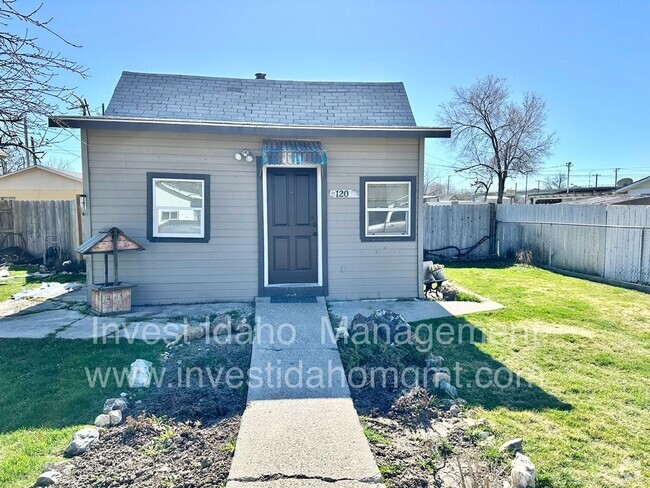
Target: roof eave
[
  {"x": 235, "y": 128},
  {"x": 633, "y": 185}
]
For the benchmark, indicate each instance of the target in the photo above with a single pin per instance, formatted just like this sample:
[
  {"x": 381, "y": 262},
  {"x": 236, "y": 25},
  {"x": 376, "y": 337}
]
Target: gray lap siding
[{"x": 226, "y": 267}]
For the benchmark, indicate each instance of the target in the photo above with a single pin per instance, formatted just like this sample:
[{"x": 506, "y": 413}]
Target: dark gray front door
[{"x": 292, "y": 225}]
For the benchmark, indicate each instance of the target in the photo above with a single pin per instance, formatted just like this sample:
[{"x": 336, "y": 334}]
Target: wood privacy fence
[
  {"x": 611, "y": 242},
  {"x": 36, "y": 225},
  {"x": 458, "y": 228}
]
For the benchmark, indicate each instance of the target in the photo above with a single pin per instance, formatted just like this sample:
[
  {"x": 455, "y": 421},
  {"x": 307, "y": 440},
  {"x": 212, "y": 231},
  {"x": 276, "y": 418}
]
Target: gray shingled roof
[{"x": 205, "y": 98}]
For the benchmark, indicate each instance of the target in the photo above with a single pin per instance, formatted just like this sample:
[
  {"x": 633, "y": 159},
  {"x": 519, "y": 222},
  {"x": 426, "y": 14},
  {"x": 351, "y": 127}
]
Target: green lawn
[
  {"x": 45, "y": 396},
  {"x": 586, "y": 349}
]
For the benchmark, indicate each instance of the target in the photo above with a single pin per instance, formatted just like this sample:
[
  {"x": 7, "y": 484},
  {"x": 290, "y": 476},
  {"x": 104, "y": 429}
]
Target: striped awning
[{"x": 293, "y": 152}]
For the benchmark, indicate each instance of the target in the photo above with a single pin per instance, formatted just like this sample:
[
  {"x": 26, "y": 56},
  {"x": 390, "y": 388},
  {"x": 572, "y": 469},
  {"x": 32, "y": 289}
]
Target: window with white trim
[
  {"x": 387, "y": 207},
  {"x": 178, "y": 207}
]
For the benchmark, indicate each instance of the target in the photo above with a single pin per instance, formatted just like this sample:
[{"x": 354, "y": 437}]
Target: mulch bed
[{"x": 176, "y": 436}]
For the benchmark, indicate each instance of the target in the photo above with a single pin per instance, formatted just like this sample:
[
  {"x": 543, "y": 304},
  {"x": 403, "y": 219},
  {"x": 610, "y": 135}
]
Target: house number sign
[{"x": 343, "y": 194}]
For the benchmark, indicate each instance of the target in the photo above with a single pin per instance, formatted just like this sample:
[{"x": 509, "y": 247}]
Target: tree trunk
[{"x": 501, "y": 180}]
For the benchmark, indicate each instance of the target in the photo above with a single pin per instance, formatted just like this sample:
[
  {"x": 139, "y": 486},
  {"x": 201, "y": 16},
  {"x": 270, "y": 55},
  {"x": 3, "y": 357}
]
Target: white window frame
[
  {"x": 166, "y": 208},
  {"x": 367, "y": 210}
]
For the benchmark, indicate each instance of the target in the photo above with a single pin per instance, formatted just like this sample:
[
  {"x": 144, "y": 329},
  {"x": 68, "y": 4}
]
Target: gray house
[{"x": 254, "y": 187}]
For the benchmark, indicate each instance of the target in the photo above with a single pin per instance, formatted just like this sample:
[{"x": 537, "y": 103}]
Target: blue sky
[{"x": 588, "y": 59}]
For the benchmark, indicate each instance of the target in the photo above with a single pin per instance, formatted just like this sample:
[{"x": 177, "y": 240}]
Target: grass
[
  {"x": 19, "y": 280},
  {"x": 375, "y": 437},
  {"x": 584, "y": 348},
  {"x": 46, "y": 397}
]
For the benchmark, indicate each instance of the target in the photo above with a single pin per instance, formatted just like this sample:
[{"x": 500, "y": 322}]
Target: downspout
[
  {"x": 419, "y": 208},
  {"x": 87, "y": 220}
]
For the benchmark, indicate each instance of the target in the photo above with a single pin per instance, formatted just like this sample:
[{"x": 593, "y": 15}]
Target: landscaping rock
[
  {"x": 115, "y": 417},
  {"x": 48, "y": 478},
  {"x": 522, "y": 474},
  {"x": 455, "y": 410},
  {"x": 115, "y": 404},
  {"x": 385, "y": 324},
  {"x": 82, "y": 441},
  {"x": 514, "y": 445},
  {"x": 103, "y": 421},
  {"x": 448, "y": 388},
  {"x": 475, "y": 423},
  {"x": 434, "y": 361},
  {"x": 341, "y": 332},
  {"x": 225, "y": 324},
  {"x": 140, "y": 374},
  {"x": 191, "y": 333},
  {"x": 439, "y": 377}
]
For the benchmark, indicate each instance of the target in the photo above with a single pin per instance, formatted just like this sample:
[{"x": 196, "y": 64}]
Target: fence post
[{"x": 493, "y": 229}]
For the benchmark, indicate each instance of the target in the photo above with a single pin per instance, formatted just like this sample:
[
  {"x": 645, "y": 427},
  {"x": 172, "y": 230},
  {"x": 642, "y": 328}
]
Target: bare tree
[
  {"x": 556, "y": 182},
  {"x": 495, "y": 135},
  {"x": 482, "y": 183},
  {"x": 432, "y": 184},
  {"x": 29, "y": 88}
]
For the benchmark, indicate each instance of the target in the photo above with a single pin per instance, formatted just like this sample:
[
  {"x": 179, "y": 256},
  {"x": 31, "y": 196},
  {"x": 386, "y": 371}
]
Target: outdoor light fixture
[{"x": 244, "y": 154}]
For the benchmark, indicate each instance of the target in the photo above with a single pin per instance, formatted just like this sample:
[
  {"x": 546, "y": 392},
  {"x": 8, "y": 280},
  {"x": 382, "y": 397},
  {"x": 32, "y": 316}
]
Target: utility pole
[
  {"x": 616, "y": 177},
  {"x": 568, "y": 175},
  {"x": 448, "y": 184},
  {"x": 538, "y": 183},
  {"x": 589, "y": 185},
  {"x": 26, "y": 142},
  {"x": 526, "y": 192},
  {"x": 597, "y": 175}
]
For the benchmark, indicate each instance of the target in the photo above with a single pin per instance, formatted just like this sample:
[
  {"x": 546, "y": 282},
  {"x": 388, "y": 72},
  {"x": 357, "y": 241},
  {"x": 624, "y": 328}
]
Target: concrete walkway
[{"x": 300, "y": 428}]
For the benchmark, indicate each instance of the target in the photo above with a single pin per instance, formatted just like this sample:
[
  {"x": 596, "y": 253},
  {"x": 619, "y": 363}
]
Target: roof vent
[{"x": 260, "y": 76}]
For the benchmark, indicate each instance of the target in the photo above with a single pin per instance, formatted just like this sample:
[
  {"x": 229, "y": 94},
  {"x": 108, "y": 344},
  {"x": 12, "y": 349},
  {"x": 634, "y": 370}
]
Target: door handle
[{"x": 314, "y": 234}]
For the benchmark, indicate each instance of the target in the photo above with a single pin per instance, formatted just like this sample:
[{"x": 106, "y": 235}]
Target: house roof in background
[
  {"x": 609, "y": 200},
  {"x": 262, "y": 101},
  {"x": 634, "y": 185},
  {"x": 66, "y": 174}
]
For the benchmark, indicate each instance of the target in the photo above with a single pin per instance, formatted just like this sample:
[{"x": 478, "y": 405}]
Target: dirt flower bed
[
  {"x": 419, "y": 443},
  {"x": 149, "y": 451},
  {"x": 180, "y": 434}
]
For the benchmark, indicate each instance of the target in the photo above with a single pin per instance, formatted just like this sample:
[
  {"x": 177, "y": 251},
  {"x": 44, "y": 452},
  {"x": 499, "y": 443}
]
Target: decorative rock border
[{"x": 112, "y": 415}]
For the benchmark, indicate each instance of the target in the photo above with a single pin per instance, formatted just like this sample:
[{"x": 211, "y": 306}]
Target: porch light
[{"x": 244, "y": 154}]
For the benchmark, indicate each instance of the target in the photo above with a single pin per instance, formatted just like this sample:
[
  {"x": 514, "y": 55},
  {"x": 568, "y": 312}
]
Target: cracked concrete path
[{"x": 300, "y": 428}]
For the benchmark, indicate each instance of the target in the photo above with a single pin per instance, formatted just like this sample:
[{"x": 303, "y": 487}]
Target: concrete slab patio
[
  {"x": 411, "y": 310},
  {"x": 299, "y": 433},
  {"x": 65, "y": 317}
]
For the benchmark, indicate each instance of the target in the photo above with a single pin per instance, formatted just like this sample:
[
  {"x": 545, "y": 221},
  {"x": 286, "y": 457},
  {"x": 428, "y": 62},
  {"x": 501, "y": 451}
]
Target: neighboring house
[
  {"x": 638, "y": 188},
  {"x": 40, "y": 183},
  {"x": 575, "y": 193},
  {"x": 240, "y": 188}
]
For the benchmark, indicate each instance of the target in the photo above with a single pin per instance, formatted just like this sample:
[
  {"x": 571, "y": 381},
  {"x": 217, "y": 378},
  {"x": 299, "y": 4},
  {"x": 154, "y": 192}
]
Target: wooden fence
[
  {"x": 36, "y": 225},
  {"x": 611, "y": 242},
  {"x": 460, "y": 226}
]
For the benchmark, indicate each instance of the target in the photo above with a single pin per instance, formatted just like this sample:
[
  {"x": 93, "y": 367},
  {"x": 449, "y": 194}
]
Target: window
[
  {"x": 387, "y": 205},
  {"x": 178, "y": 207}
]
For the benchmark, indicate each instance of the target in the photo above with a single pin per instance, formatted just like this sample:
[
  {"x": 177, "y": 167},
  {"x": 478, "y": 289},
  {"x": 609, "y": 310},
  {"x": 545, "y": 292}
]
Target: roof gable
[
  {"x": 71, "y": 175},
  {"x": 261, "y": 101}
]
